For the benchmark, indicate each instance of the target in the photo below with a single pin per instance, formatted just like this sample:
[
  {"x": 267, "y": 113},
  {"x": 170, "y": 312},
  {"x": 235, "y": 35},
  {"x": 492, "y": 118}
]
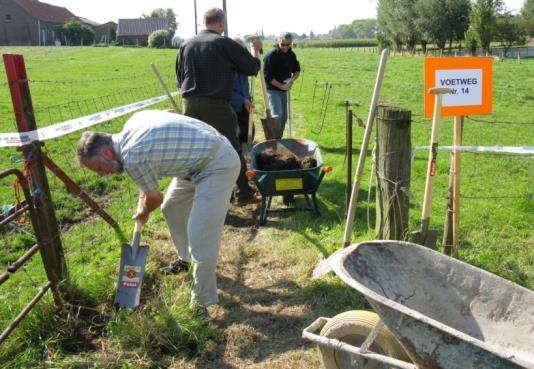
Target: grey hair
[
  {"x": 286, "y": 36},
  {"x": 214, "y": 15},
  {"x": 90, "y": 143}
]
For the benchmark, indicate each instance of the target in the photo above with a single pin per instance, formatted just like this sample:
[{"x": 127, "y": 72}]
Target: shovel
[
  {"x": 424, "y": 236},
  {"x": 131, "y": 271},
  {"x": 271, "y": 125},
  {"x": 289, "y": 129},
  {"x": 325, "y": 266},
  {"x": 250, "y": 136}
]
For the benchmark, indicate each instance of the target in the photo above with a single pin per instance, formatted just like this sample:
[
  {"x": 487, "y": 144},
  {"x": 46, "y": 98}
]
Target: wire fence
[{"x": 82, "y": 231}]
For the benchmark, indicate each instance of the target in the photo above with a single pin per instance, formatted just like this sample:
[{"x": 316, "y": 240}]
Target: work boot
[{"x": 177, "y": 267}]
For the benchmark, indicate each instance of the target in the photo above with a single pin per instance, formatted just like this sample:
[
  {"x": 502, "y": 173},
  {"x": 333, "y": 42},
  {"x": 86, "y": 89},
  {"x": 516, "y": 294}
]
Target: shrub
[{"x": 160, "y": 39}]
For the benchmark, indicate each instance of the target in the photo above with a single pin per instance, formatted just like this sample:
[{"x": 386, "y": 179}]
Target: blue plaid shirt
[{"x": 155, "y": 144}]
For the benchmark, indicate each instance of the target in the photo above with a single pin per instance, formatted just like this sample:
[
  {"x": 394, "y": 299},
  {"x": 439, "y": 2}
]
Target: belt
[{"x": 208, "y": 99}]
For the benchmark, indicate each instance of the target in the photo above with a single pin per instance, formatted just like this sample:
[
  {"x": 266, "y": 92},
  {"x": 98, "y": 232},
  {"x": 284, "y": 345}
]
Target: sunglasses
[{"x": 285, "y": 45}]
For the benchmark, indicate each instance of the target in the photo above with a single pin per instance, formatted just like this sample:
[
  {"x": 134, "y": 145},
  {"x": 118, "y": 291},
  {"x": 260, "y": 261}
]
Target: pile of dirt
[{"x": 283, "y": 160}]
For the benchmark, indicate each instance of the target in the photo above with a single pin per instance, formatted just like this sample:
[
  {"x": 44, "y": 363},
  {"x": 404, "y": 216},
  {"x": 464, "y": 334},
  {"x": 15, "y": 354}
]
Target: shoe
[
  {"x": 253, "y": 199},
  {"x": 177, "y": 267}
]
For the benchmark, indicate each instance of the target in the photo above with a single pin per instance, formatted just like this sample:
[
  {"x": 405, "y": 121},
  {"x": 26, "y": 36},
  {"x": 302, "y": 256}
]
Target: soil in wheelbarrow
[{"x": 283, "y": 160}]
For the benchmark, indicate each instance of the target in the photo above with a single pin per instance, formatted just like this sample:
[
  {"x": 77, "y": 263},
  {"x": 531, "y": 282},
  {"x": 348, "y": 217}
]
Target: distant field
[{"x": 496, "y": 225}]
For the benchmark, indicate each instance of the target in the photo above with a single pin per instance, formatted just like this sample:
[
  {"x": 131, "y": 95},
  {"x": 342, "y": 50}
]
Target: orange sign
[{"x": 471, "y": 81}]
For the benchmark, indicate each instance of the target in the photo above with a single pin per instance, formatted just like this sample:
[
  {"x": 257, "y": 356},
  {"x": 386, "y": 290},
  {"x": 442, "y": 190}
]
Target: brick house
[
  {"x": 136, "y": 31},
  {"x": 30, "y": 22}
]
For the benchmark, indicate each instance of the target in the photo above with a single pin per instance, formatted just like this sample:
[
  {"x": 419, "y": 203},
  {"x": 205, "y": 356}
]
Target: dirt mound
[{"x": 283, "y": 160}]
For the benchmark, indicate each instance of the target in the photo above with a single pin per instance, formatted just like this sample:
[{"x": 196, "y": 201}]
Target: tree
[
  {"x": 440, "y": 21},
  {"x": 471, "y": 41},
  {"x": 396, "y": 23},
  {"x": 483, "y": 20},
  {"x": 168, "y": 14},
  {"x": 432, "y": 22},
  {"x": 160, "y": 39},
  {"x": 78, "y": 33},
  {"x": 510, "y": 31},
  {"x": 527, "y": 12},
  {"x": 458, "y": 19}
]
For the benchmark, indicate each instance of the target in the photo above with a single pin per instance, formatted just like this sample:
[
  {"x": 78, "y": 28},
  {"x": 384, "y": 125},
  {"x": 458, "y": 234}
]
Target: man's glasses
[{"x": 285, "y": 45}]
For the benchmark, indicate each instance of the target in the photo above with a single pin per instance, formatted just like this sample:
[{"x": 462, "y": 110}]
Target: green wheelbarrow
[{"x": 288, "y": 182}]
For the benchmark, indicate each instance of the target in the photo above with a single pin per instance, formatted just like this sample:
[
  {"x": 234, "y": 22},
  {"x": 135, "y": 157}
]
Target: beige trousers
[{"x": 195, "y": 211}]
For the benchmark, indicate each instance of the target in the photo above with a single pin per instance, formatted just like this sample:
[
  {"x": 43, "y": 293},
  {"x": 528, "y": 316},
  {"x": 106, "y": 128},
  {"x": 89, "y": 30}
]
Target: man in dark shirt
[
  {"x": 206, "y": 68},
  {"x": 281, "y": 68}
]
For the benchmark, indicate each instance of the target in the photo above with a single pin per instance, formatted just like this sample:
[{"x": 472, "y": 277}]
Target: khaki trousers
[{"x": 195, "y": 211}]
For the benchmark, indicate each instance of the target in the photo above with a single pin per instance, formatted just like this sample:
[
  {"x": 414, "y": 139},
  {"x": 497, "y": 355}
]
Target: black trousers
[{"x": 219, "y": 114}]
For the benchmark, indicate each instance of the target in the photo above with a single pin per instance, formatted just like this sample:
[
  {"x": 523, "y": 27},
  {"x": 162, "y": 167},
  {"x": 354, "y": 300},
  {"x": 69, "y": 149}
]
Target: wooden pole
[
  {"x": 164, "y": 86},
  {"x": 226, "y": 20},
  {"x": 393, "y": 157},
  {"x": 447, "y": 228},
  {"x": 457, "y": 141},
  {"x": 196, "y": 22},
  {"x": 50, "y": 242},
  {"x": 348, "y": 155}
]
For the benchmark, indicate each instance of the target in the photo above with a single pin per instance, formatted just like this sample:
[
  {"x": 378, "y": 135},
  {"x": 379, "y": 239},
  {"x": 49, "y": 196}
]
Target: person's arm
[
  {"x": 148, "y": 202},
  {"x": 245, "y": 62}
]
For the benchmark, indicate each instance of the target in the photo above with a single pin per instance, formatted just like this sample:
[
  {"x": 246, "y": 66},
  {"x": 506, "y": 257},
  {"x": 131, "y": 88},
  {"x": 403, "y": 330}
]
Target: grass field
[{"x": 267, "y": 297}]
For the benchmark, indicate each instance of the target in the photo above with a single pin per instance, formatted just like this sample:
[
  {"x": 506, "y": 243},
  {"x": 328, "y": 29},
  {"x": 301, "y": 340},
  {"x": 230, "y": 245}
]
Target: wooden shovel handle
[
  {"x": 164, "y": 86},
  {"x": 433, "y": 151},
  {"x": 264, "y": 92},
  {"x": 363, "y": 151}
]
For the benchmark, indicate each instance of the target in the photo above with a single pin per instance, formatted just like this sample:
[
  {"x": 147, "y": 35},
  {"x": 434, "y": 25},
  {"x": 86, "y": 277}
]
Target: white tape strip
[
  {"x": 73, "y": 125},
  {"x": 519, "y": 150}
]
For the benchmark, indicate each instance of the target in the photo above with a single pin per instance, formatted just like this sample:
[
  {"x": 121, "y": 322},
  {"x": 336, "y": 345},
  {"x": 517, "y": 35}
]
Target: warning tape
[
  {"x": 61, "y": 129},
  {"x": 519, "y": 150}
]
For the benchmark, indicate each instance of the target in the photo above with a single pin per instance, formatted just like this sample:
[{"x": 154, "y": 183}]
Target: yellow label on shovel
[{"x": 287, "y": 184}]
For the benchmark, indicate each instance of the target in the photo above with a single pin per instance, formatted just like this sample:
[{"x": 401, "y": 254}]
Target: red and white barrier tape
[
  {"x": 518, "y": 150},
  {"x": 60, "y": 129}
]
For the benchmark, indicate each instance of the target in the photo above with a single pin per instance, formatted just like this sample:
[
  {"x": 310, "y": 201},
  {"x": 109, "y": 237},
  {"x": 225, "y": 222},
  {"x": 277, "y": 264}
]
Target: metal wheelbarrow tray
[
  {"x": 445, "y": 313},
  {"x": 288, "y": 182}
]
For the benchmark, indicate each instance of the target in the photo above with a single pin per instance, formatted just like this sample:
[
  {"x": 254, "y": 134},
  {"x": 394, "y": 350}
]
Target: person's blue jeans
[{"x": 278, "y": 106}]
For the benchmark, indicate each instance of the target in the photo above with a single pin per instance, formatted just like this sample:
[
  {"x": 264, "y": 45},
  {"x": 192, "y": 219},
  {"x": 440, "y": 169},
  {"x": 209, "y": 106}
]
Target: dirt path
[{"x": 261, "y": 313}]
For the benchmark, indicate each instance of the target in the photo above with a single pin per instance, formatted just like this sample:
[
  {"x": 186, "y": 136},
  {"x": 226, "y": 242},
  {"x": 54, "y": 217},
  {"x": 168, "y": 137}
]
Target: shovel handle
[
  {"x": 264, "y": 93},
  {"x": 433, "y": 151},
  {"x": 164, "y": 86},
  {"x": 349, "y": 221}
]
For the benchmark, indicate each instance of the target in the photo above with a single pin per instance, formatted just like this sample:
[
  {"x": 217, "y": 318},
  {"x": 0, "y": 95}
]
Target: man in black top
[
  {"x": 281, "y": 68},
  {"x": 206, "y": 68}
]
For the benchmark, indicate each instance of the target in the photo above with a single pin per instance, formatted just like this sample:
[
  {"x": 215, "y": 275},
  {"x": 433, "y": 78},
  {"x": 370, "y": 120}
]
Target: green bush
[{"x": 160, "y": 39}]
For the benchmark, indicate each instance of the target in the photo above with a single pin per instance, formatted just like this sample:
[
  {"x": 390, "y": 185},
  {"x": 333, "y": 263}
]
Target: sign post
[{"x": 471, "y": 81}]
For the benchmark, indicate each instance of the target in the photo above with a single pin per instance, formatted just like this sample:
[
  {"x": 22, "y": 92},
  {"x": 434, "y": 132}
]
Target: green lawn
[{"x": 497, "y": 205}]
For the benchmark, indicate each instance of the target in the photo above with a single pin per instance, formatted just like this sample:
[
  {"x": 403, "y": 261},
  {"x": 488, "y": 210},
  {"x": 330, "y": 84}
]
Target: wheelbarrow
[
  {"x": 444, "y": 313},
  {"x": 290, "y": 182}
]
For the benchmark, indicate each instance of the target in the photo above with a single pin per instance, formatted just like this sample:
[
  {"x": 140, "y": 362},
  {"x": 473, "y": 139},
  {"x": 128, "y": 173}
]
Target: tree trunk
[{"x": 393, "y": 156}]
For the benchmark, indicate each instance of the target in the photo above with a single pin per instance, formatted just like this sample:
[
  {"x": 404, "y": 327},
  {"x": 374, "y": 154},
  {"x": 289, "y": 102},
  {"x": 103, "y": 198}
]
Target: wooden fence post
[
  {"x": 393, "y": 157},
  {"x": 50, "y": 242}
]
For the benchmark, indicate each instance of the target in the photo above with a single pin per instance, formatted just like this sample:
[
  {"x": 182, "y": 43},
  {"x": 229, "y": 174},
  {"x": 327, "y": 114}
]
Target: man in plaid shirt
[{"x": 203, "y": 166}]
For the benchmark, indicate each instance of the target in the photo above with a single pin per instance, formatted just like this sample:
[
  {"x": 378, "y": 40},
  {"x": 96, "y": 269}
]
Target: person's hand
[
  {"x": 141, "y": 216},
  {"x": 286, "y": 86},
  {"x": 248, "y": 105},
  {"x": 255, "y": 47}
]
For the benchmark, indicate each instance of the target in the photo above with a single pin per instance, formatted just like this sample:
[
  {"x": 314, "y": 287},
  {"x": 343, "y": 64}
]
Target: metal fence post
[{"x": 50, "y": 242}]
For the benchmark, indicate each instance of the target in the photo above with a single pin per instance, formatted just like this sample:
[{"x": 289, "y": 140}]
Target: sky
[{"x": 244, "y": 16}]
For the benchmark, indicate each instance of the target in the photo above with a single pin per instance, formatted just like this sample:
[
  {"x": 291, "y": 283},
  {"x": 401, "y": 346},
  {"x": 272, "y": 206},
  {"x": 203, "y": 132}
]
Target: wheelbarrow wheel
[{"x": 352, "y": 327}]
